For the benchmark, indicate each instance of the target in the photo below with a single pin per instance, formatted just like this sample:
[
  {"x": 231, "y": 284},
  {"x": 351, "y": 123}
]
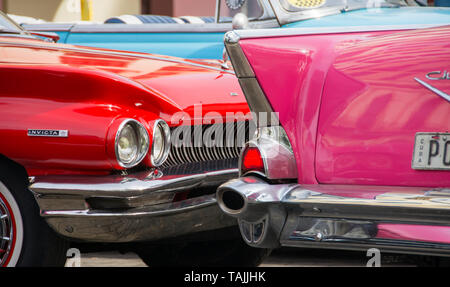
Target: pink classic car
[{"x": 361, "y": 155}]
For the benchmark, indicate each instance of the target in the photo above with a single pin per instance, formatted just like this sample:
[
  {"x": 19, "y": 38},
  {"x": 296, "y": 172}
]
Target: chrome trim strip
[
  {"x": 147, "y": 28},
  {"x": 433, "y": 89},
  {"x": 256, "y": 98},
  {"x": 116, "y": 53},
  {"x": 124, "y": 186},
  {"x": 267, "y": 33},
  {"x": 240, "y": 63}
]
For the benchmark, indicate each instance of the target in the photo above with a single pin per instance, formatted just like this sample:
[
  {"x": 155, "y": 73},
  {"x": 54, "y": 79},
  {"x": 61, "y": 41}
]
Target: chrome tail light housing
[{"x": 269, "y": 154}]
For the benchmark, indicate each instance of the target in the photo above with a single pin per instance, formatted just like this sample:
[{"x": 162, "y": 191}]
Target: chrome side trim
[
  {"x": 116, "y": 53},
  {"x": 254, "y": 95},
  {"x": 238, "y": 59},
  {"x": 267, "y": 33}
]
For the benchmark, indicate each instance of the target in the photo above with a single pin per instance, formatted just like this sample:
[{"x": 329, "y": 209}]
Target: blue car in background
[{"x": 202, "y": 37}]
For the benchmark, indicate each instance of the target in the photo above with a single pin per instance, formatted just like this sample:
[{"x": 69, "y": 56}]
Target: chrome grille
[{"x": 226, "y": 142}]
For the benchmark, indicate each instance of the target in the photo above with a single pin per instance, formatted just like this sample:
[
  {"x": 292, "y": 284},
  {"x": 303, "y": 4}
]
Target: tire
[
  {"x": 30, "y": 242},
  {"x": 213, "y": 253}
]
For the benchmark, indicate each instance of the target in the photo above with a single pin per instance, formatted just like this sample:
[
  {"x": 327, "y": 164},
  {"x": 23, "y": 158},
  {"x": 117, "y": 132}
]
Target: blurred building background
[{"x": 100, "y": 10}]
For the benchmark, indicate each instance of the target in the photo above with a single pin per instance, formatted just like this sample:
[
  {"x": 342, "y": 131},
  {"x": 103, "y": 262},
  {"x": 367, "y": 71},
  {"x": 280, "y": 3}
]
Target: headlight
[
  {"x": 160, "y": 143},
  {"x": 132, "y": 143}
]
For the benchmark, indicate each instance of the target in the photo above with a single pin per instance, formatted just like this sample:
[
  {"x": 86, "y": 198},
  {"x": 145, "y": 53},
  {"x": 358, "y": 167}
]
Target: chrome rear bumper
[
  {"x": 143, "y": 206},
  {"x": 412, "y": 220}
]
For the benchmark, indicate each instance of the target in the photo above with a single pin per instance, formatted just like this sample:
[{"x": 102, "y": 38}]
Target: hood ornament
[{"x": 436, "y": 75}]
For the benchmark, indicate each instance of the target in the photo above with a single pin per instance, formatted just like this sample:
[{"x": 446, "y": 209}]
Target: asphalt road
[{"x": 284, "y": 257}]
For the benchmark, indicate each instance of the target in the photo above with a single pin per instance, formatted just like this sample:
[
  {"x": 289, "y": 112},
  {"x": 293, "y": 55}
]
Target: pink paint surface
[
  {"x": 350, "y": 105},
  {"x": 424, "y": 233}
]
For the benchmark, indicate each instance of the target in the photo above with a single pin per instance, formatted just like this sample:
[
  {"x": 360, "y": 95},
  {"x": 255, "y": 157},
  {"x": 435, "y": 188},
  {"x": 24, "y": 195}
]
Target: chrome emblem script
[
  {"x": 434, "y": 76},
  {"x": 438, "y": 75},
  {"x": 48, "y": 133}
]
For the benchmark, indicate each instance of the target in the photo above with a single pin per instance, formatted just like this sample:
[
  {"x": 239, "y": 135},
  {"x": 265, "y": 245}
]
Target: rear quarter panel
[
  {"x": 372, "y": 107},
  {"x": 291, "y": 71}
]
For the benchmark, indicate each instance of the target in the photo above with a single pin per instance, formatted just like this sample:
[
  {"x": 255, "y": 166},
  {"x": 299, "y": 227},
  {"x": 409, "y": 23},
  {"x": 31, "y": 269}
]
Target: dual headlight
[
  {"x": 132, "y": 143},
  {"x": 160, "y": 143}
]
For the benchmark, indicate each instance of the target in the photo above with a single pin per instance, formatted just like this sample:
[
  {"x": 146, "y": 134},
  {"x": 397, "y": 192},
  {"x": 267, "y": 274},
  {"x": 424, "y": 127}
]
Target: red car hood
[{"x": 182, "y": 83}]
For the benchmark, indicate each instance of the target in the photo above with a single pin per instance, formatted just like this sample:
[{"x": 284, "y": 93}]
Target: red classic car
[
  {"x": 86, "y": 154},
  {"x": 361, "y": 155}
]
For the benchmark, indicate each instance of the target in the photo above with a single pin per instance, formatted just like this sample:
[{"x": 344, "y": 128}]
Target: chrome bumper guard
[
  {"x": 413, "y": 220},
  {"x": 143, "y": 206}
]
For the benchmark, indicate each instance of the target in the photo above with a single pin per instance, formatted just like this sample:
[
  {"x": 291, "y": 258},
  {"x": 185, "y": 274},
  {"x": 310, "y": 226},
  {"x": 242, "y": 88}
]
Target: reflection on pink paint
[{"x": 425, "y": 233}]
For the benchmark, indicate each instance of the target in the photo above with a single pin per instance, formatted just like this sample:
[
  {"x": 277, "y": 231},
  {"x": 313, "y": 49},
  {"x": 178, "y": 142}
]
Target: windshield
[
  {"x": 9, "y": 26},
  {"x": 288, "y": 11},
  {"x": 304, "y": 5},
  {"x": 229, "y": 8}
]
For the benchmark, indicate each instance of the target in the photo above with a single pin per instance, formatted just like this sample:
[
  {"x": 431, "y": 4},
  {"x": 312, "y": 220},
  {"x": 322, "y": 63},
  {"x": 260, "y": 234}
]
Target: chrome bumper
[
  {"x": 143, "y": 206},
  {"x": 412, "y": 220}
]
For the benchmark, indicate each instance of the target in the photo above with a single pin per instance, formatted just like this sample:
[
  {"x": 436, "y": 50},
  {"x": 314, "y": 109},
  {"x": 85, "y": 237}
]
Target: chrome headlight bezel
[
  {"x": 162, "y": 127},
  {"x": 143, "y": 143}
]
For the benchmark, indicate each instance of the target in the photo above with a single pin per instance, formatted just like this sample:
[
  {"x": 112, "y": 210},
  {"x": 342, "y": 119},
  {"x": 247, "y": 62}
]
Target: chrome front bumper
[
  {"x": 412, "y": 220},
  {"x": 143, "y": 206}
]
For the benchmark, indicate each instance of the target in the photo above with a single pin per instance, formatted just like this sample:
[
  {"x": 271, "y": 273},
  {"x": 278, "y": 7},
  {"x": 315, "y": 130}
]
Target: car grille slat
[{"x": 234, "y": 135}]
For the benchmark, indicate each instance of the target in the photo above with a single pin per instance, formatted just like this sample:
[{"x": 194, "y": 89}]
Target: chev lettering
[
  {"x": 438, "y": 75},
  {"x": 434, "y": 89},
  {"x": 48, "y": 133}
]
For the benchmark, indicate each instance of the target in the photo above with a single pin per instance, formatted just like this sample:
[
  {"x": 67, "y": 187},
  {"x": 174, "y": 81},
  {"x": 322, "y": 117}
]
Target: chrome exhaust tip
[{"x": 231, "y": 202}]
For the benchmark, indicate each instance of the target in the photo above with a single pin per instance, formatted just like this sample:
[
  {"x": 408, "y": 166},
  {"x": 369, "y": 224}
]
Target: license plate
[{"x": 432, "y": 151}]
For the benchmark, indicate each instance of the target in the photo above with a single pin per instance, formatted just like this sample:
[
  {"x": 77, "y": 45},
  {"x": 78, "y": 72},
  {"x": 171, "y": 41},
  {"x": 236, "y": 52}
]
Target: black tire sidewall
[{"x": 41, "y": 246}]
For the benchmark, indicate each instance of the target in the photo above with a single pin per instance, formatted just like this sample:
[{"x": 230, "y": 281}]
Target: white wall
[{"x": 69, "y": 10}]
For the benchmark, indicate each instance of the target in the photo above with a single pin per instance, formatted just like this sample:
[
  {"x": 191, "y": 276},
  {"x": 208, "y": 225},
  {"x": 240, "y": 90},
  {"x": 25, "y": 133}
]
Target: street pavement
[{"x": 285, "y": 257}]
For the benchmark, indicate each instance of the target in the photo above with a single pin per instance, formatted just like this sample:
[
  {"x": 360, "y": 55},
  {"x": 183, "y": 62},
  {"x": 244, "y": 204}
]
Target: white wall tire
[
  {"x": 11, "y": 228},
  {"x": 33, "y": 243}
]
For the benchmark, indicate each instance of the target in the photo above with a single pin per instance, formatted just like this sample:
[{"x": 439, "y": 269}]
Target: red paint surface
[{"x": 48, "y": 86}]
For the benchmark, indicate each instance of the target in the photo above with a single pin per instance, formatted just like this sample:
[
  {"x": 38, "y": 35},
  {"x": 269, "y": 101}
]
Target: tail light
[
  {"x": 252, "y": 161},
  {"x": 269, "y": 154}
]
